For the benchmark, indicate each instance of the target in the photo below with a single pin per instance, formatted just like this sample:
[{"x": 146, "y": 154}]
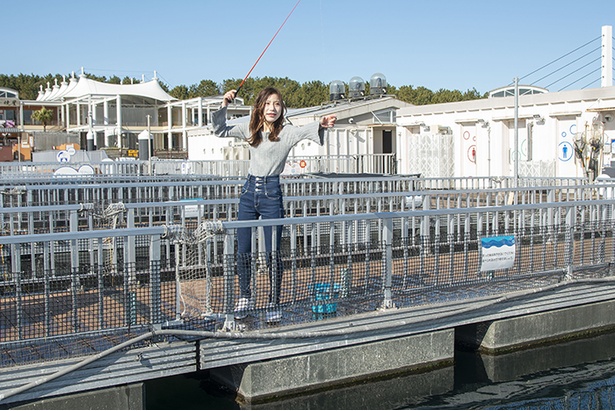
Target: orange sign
[{"x": 302, "y": 163}]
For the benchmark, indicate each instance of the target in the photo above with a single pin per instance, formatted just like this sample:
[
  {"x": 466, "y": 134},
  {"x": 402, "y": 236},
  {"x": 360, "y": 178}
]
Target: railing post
[
  {"x": 388, "y": 263},
  {"x": 16, "y": 272},
  {"x": 569, "y": 257},
  {"x": 229, "y": 276},
  {"x": 130, "y": 247},
  {"x": 551, "y": 198},
  {"x": 74, "y": 269},
  {"x": 424, "y": 237},
  {"x": 177, "y": 250},
  {"x": 209, "y": 255},
  {"x": 154, "y": 283},
  {"x": 293, "y": 261},
  {"x": 130, "y": 295},
  {"x": 100, "y": 274},
  {"x": 47, "y": 273}
]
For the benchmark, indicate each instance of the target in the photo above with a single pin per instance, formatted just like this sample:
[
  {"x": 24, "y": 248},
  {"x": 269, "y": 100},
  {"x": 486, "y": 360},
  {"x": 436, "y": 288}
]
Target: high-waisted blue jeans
[{"x": 260, "y": 197}]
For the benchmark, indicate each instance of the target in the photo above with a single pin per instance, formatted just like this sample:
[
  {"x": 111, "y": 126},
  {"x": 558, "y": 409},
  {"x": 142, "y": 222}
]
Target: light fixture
[
  {"x": 538, "y": 118},
  {"x": 419, "y": 124}
]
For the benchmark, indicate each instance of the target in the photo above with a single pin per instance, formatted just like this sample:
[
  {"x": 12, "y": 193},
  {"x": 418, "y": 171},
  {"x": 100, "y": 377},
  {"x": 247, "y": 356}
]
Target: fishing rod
[{"x": 269, "y": 44}]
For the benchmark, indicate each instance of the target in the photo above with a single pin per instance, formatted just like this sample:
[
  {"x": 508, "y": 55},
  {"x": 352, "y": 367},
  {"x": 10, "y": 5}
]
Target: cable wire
[
  {"x": 576, "y": 81},
  {"x": 563, "y": 67},
  {"x": 573, "y": 72},
  {"x": 559, "y": 58}
]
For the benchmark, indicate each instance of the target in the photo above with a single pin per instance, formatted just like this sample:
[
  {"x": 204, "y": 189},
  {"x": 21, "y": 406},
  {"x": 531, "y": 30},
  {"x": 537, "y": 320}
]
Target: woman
[{"x": 270, "y": 143}]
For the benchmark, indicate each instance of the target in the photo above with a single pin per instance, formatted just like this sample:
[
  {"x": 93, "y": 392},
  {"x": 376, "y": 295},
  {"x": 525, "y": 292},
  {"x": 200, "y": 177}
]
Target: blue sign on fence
[{"x": 497, "y": 252}]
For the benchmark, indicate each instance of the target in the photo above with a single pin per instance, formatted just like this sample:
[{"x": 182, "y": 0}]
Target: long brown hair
[{"x": 257, "y": 121}]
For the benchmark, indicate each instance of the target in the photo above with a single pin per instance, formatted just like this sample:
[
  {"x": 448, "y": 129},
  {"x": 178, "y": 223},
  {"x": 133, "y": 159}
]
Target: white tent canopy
[{"x": 88, "y": 87}]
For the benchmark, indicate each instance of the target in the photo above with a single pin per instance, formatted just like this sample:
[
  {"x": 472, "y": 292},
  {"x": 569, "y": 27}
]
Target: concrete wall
[
  {"x": 532, "y": 330},
  {"x": 263, "y": 381},
  {"x": 123, "y": 397}
]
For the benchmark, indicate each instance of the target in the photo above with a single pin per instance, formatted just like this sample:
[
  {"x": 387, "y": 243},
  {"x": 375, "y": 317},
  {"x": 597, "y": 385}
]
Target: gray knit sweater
[{"x": 269, "y": 158}]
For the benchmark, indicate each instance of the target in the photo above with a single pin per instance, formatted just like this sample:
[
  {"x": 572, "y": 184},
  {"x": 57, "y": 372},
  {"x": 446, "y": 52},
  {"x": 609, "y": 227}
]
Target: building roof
[
  {"x": 341, "y": 108},
  {"x": 346, "y": 108},
  {"x": 524, "y": 90},
  {"x": 84, "y": 87},
  {"x": 604, "y": 95},
  {"x": 6, "y": 92}
]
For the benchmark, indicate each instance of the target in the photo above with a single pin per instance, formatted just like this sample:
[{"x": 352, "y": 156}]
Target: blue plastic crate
[{"x": 323, "y": 292}]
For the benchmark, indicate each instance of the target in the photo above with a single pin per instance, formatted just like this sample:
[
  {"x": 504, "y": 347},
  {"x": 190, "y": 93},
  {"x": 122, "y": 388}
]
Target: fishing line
[{"x": 269, "y": 44}]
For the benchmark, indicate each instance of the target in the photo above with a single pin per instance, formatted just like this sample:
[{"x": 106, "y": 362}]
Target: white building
[
  {"x": 540, "y": 133},
  {"x": 112, "y": 116},
  {"x": 364, "y": 133}
]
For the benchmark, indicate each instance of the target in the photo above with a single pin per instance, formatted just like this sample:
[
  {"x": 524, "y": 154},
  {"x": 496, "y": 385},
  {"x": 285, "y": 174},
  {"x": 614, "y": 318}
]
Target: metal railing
[
  {"x": 44, "y": 206},
  {"x": 382, "y": 164},
  {"x": 73, "y": 270},
  {"x": 105, "y": 190}
]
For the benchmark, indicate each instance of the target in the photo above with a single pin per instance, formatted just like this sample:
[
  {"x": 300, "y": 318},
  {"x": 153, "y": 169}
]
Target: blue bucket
[{"x": 323, "y": 292}]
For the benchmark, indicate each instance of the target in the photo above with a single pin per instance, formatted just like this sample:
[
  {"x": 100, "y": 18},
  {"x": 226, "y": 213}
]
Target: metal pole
[
  {"x": 607, "y": 56},
  {"x": 516, "y": 143},
  {"x": 149, "y": 144},
  {"x": 489, "y": 150},
  {"x": 90, "y": 133},
  {"x": 21, "y": 131}
]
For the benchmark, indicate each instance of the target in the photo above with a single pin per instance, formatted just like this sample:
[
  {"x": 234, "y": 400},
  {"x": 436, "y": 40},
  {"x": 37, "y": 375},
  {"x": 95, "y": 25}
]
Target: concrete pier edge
[
  {"x": 533, "y": 330},
  {"x": 278, "y": 379},
  {"x": 274, "y": 379},
  {"x": 119, "y": 397}
]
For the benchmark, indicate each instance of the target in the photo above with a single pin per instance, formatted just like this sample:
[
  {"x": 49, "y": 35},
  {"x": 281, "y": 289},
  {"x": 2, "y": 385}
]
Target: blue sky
[{"x": 437, "y": 44}]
